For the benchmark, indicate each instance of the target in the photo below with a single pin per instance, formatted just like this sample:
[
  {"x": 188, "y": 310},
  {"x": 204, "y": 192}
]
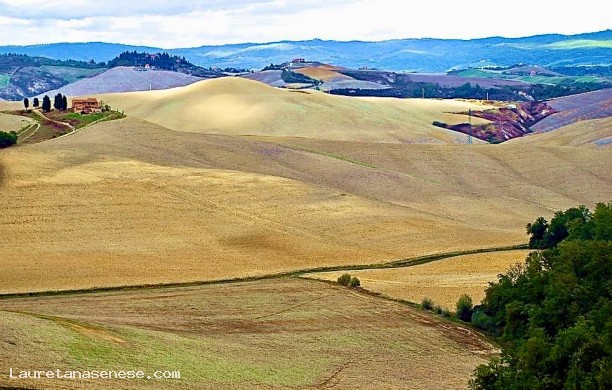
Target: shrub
[
  {"x": 7, "y": 139},
  {"x": 481, "y": 320},
  {"x": 354, "y": 282},
  {"x": 437, "y": 309},
  {"x": 427, "y": 304},
  {"x": 344, "y": 279},
  {"x": 464, "y": 308}
]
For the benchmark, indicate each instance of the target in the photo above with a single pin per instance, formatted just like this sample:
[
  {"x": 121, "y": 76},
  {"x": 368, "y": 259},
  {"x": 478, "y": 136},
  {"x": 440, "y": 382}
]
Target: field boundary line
[{"x": 407, "y": 262}]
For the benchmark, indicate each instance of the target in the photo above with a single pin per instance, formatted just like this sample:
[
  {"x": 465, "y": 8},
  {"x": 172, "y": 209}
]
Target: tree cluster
[
  {"x": 158, "y": 60},
  {"x": 60, "y": 102},
  {"x": 553, "y": 314},
  {"x": 576, "y": 223}
]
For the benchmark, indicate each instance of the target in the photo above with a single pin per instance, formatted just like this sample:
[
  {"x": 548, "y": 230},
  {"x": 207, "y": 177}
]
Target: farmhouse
[{"x": 86, "y": 105}]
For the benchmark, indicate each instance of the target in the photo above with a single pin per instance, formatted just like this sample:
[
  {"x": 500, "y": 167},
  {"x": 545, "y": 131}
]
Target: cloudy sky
[{"x": 188, "y": 23}]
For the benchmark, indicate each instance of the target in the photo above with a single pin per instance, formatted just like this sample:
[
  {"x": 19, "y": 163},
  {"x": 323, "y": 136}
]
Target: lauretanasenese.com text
[{"x": 93, "y": 374}]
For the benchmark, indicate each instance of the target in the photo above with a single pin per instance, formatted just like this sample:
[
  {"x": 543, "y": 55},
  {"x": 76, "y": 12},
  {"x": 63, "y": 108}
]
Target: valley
[{"x": 201, "y": 224}]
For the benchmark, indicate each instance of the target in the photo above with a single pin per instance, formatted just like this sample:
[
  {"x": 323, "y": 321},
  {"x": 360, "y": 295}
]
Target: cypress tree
[
  {"x": 57, "y": 102},
  {"x": 46, "y": 103}
]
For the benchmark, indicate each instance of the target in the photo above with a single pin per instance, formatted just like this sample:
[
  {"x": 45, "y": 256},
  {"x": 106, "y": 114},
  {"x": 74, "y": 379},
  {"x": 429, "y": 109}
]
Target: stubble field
[
  {"x": 277, "y": 334},
  {"x": 443, "y": 281},
  {"x": 130, "y": 202}
]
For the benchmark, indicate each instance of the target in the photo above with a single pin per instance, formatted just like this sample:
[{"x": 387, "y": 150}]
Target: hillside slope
[
  {"x": 281, "y": 334},
  {"x": 125, "y": 79},
  {"x": 574, "y": 108},
  {"x": 235, "y": 106},
  {"x": 587, "y": 133},
  {"x": 130, "y": 202}
]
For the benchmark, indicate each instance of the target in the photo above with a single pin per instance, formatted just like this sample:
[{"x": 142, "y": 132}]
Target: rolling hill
[
  {"x": 425, "y": 55},
  {"x": 585, "y": 133},
  {"x": 132, "y": 202},
  {"x": 230, "y": 178},
  {"x": 243, "y": 107},
  {"x": 125, "y": 79},
  {"x": 574, "y": 108}
]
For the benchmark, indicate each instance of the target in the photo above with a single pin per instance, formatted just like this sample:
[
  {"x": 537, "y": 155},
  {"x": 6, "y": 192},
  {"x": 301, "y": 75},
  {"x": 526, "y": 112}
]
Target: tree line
[
  {"x": 60, "y": 103},
  {"x": 552, "y": 315}
]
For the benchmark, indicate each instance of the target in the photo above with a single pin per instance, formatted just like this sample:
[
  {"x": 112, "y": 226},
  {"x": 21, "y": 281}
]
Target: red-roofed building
[{"x": 86, "y": 106}]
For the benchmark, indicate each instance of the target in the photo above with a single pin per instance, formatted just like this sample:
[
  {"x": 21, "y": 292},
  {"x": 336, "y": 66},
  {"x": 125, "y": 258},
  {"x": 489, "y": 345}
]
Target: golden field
[
  {"x": 583, "y": 134},
  {"x": 131, "y": 202},
  {"x": 444, "y": 281}
]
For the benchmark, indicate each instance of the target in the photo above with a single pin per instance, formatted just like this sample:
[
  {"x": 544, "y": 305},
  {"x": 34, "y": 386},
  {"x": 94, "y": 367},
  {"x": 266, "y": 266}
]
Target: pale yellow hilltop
[{"x": 236, "y": 106}]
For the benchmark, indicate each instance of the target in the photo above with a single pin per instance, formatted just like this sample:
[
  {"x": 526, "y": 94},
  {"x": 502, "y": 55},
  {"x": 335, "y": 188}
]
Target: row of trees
[
  {"x": 552, "y": 315},
  {"x": 60, "y": 103}
]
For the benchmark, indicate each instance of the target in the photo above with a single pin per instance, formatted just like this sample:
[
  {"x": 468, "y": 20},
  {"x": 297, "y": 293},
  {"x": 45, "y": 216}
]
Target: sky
[{"x": 188, "y": 23}]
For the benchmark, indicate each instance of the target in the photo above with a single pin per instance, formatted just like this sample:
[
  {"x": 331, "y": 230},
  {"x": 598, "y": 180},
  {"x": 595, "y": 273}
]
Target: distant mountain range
[{"x": 422, "y": 55}]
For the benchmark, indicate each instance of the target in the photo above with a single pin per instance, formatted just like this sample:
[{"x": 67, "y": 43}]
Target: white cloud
[{"x": 183, "y": 23}]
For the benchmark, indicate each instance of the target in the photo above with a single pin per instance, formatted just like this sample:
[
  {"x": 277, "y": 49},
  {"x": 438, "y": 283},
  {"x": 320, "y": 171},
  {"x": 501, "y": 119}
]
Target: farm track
[
  {"x": 409, "y": 262},
  {"x": 32, "y": 129},
  {"x": 63, "y": 124}
]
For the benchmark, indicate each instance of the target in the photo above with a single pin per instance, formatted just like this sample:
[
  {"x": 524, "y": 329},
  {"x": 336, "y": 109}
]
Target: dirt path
[
  {"x": 63, "y": 124},
  {"x": 33, "y": 128}
]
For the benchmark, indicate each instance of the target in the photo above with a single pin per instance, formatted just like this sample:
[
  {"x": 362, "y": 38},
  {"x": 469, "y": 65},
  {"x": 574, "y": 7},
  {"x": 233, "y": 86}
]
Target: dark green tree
[
  {"x": 7, "y": 139},
  {"x": 58, "y": 102},
  {"x": 64, "y": 103},
  {"x": 26, "y": 103},
  {"x": 36, "y": 102},
  {"x": 464, "y": 308},
  {"x": 46, "y": 103},
  {"x": 537, "y": 230},
  {"x": 574, "y": 221}
]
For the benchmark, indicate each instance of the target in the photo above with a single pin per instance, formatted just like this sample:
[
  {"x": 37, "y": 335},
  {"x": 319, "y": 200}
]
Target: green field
[
  {"x": 480, "y": 73},
  {"x": 550, "y": 80},
  {"x": 4, "y": 80},
  {"x": 558, "y": 80},
  {"x": 77, "y": 120},
  {"x": 580, "y": 43},
  {"x": 71, "y": 74},
  {"x": 274, "y": 334}
]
